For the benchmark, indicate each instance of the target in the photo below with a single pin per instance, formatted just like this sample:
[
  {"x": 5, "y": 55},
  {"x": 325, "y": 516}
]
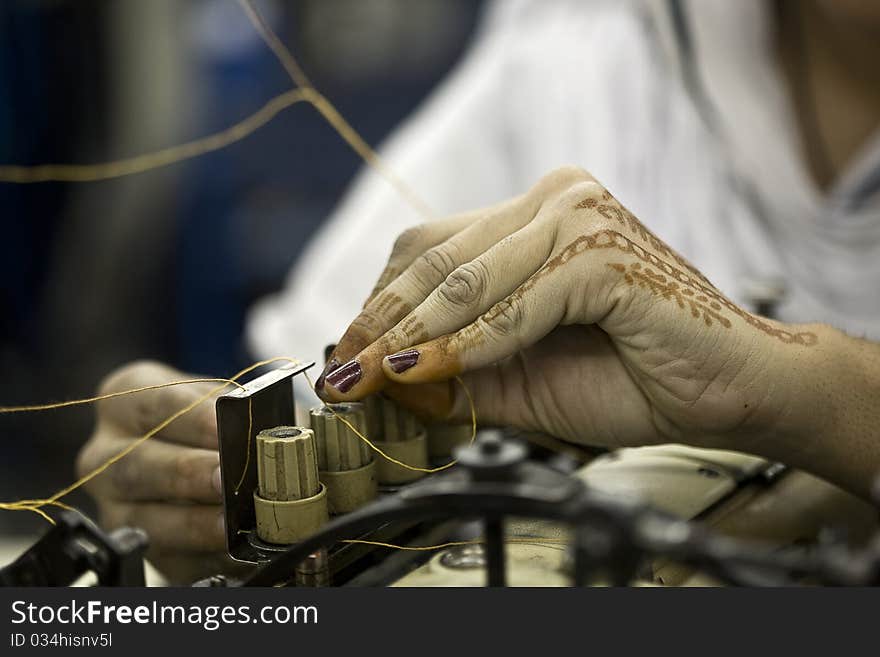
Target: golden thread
[
  {"x": 526, "y": 540},
  {"x": 164, "y": 157},
  {"x": 247, "y": 453},
  {"x": 537, "y": 540},
  {"x": 283, "y": 54},
  {"x": 393, "y": 460},
  {"x": 14, "y": 506},
  {"x": 304, "y": 91},
  {"x": 36, "y": 505},
  {"x": 327, "y": 110},
  {"x": 92, "y": 400}
]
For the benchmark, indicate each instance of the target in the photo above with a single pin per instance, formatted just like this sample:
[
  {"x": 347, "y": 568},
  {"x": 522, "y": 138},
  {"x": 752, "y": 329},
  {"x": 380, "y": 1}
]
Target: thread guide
[{"x": 268, "y": 400}]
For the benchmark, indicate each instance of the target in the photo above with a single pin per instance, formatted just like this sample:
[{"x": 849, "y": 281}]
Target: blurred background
[{"x": 165, "y": 264}]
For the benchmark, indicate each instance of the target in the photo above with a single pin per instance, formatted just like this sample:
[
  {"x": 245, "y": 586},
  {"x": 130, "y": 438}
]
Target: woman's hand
[
  {"x": 169, "y": 485},
  {"x": 565, "y": 314}
]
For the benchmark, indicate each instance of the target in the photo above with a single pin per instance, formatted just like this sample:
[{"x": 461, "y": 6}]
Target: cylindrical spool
[
  {"x": 444, "y": 438},
  {"x": 290, "y": 502},
  {"x": 400, "y": 436},
  {"x": 413, "y": 452},
  {"x": 345, "y": 462}
]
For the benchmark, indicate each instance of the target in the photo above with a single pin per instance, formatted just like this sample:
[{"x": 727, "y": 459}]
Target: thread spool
[
  {"x": 290, "y": 502},
  {"x": 402, "y": 438},
  {"x": 345, "y": 462},
  {"x": 444, "y": 438}
]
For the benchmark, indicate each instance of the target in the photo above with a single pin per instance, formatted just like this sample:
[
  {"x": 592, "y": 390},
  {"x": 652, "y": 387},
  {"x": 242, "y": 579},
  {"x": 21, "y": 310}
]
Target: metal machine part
[
  {"x": 314, "y": 570},
  {"x": 345, "y": 462},
  {"x": 741, "y": 495},
  {"x": 73, "y": 547},
  {"x": 399, "y": 435},
  {"x": 290, "y": 501},
  {"x": 534, "y": 565},
  {"x": 265, "y": 402},
  {"x": 735, "y": 494},
  {"x": 612, "y": 537}
]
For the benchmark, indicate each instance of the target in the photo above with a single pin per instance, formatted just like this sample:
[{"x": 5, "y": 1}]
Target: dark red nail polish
[
  {"x": 332, "y": 365},
  {"x": 402, "y": 361},
  {"x": 344, "y": 378}
]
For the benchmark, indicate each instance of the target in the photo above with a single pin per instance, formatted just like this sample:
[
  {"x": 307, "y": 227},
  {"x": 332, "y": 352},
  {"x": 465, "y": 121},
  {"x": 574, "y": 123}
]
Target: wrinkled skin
[{"x": 559, "y": 307}]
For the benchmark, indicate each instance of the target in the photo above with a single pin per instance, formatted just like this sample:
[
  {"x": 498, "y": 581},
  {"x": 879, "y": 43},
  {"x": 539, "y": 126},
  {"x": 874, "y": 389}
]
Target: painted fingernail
[
  {"x": 216, "y": 481},
  {"x": 402, "y": 361},
  {"x": 331, "y": 365},
  {"x": 344, "y": 378}
]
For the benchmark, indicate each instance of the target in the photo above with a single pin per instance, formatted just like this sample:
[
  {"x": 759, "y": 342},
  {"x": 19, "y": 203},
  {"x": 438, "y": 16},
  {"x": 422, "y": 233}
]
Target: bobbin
[
  {"x": 402, "y": 438},
  {"x": 290, "y": 502},
  {"x": 444, "y": 438},
  {"x": 345, "y": 462}
]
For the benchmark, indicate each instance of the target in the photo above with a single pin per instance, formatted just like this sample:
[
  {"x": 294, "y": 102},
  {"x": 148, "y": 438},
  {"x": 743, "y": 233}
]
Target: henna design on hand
[
  {"x": 611, "y": 239},
  {"x": 658, "y": 284},
  {"x": 628, "y": 220}
]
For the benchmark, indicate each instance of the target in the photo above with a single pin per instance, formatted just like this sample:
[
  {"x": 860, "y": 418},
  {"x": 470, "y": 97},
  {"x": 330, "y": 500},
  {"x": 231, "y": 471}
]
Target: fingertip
[
  {"x": 331, "y": 366},
  {"x": 343, "y": 378},
  {"x": 425, "y": 363},
  {"x": 355, "y": 380},
  {"x": 401, "y": 361}
]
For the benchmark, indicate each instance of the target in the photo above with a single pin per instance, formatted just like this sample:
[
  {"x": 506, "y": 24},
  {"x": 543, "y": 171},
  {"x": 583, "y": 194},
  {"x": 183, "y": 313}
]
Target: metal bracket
[{"x": 268, "y": 400}]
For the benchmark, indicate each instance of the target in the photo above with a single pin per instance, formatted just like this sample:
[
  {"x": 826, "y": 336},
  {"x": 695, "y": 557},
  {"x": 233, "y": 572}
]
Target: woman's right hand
[{"x": 563, "y": 313}]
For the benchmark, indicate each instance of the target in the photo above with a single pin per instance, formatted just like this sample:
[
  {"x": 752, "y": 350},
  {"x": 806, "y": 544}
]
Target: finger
[
  {"x": 171, "y": 526},
  {"x": 512, "y": 324},
  {"x": 476, "y": 233},
  {"x": 411, "y": 243},
  {"x": 140, "y": 412},
  {"x": 156, "y": 470},
  {"x": 471, "y": 289},
  {"x": 407, "y": 247}
]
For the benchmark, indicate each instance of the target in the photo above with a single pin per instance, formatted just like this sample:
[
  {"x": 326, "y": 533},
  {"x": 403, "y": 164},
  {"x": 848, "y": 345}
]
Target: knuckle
[
  {"x": 560, "y": 179},
  {"x": 505, "y": 318},
  {"x": 126, "y": 376},
  {"x": 465, "y": 285},
  {"x": 126, "y": 476},
  {"x": 435, "y": 264},
  {"x": 86, "y": 459},
  {"x": 184, "y": 472},
  {"x": 393, "y": 340},
  {"x": 578, "y": 194},
  {"x": 145, "y": 409}
]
